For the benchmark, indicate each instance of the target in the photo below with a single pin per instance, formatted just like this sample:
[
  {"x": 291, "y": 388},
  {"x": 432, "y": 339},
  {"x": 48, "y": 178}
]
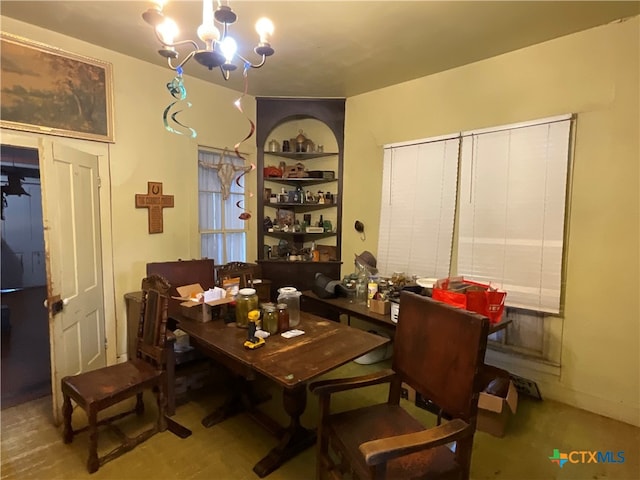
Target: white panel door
[{"x": 71, "y": 217}]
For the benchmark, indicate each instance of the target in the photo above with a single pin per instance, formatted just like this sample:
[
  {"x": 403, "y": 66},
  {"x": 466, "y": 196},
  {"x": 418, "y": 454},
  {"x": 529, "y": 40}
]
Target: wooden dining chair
[
  {"x": 439, "y": 351},
  {"x": 99, "y": 389},
  {"x": 242, "y": 271}
]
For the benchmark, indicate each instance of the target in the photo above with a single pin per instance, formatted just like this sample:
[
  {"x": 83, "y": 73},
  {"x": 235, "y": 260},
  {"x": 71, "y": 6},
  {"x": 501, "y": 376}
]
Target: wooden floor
[
  {"x": 26, "y": 364},
  {"x": 32, "y": 447}
]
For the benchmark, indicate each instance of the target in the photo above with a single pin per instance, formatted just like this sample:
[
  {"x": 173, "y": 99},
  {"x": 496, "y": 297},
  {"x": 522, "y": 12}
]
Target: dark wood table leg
[
  {"x": 173, "y": 426},
  {"x": 242, "y": 399},
  {"x": 294, "y": 439}
]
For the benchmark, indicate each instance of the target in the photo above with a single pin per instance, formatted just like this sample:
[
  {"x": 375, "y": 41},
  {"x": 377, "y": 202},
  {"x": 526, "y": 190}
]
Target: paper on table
[
  {"x": 215, "y": 293},
  {"x": 292, "y": 333}
]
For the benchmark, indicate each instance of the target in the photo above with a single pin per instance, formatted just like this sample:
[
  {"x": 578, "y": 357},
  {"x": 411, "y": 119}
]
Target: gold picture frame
[{"x": 48, "y": 90}]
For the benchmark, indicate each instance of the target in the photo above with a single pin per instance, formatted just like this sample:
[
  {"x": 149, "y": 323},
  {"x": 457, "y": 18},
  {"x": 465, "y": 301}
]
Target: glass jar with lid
[
  {"x": 274, "y": 146},
  {"x": 291, "y": 297},
  {"x": 246, "y": 301},
  {"x": 270, "y": 318}
]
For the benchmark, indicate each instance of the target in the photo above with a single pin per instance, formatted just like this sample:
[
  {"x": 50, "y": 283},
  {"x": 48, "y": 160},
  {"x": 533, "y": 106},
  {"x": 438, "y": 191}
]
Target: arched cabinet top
[{"x": 271, "y": 112}]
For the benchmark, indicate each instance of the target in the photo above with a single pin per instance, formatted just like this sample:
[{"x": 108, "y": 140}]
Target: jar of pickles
[
  {"x": 246, "y": 301},
  {"x": 269, "y": 318}
]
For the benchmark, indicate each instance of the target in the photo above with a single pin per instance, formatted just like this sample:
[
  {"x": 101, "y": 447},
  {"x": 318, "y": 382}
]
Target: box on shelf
[
  {"x": 198, "y": 310},
  {"x": 493, "y": 410},
  {"x": 327, "y": 252},
  {"x": 381, "y": 307},
  {"x": 324, "y": 174}
]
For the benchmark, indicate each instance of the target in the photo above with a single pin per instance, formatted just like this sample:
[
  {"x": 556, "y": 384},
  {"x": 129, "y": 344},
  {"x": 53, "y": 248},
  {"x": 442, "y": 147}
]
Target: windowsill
[{"x": 507, "y": 359}]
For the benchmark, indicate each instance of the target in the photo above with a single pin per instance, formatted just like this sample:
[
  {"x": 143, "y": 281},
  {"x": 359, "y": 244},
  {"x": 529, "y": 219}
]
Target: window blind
[
  {"x": 418, "y": 207},
  {"x": 513, "y": 184}
]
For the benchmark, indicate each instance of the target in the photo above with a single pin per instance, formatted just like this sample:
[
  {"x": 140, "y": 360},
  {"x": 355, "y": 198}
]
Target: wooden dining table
[{"x": 289, "y": 362}]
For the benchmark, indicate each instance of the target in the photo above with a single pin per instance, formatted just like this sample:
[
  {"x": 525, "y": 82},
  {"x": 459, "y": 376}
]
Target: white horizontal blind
[
  {"x": 418, "y": 208},
  {"x": 512, "y": 208}
]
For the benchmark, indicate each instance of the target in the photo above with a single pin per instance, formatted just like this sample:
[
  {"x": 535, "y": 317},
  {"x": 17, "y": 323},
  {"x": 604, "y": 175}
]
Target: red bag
[{"x": 473, "y": 296}]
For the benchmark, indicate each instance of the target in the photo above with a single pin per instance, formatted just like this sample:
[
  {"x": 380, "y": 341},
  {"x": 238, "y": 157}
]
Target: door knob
[{"x": 58, "y": 304}]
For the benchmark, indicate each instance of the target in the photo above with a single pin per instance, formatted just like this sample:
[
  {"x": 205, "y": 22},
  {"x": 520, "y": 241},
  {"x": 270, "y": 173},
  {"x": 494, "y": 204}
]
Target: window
[
  {"x": 511, "y": 209},
  {"x": 418, "y": 207},
  {"x": 513, "y": 184},
  {"x": 222, "y": 232}
]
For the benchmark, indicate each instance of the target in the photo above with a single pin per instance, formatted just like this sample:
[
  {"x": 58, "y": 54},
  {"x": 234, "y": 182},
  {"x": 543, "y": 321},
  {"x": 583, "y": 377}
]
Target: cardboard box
[
  {"x": 200, "y": 311},
  {"x": 493, "y": 411},
  {"x": 381, "y": 307}
]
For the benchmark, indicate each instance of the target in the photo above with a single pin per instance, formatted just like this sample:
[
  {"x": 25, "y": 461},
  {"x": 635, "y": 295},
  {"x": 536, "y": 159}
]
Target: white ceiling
[{"x": 334, "y": 48}]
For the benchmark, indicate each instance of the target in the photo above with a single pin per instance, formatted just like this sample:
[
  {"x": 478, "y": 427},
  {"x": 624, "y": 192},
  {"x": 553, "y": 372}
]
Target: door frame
[{"x": 102, "y": 151}]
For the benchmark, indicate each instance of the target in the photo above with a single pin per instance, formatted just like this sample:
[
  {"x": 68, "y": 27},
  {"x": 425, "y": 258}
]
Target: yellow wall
[
  {"x": 595, "y": 75},
  {"x": 144, "y": 151}
]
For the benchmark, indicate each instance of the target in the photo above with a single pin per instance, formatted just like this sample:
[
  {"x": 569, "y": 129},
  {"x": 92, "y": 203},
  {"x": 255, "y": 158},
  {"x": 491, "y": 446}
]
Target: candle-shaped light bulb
[
  {"x": 229, "y": 48},
  {"x": 208, "y": 32},
  {"x": 264, "y": 27},
  {"x": 167, "y": 30}
]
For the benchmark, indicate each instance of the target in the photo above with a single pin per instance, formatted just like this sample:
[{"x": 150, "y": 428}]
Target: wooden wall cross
[{"x": 155, "y": 201}]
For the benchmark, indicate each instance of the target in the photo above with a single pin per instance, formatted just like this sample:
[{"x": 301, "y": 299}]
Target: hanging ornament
[
  {"x": 226, "y": 172},
  {"x": 179, "y": 92},
  {"x": 246, "y": 215}
]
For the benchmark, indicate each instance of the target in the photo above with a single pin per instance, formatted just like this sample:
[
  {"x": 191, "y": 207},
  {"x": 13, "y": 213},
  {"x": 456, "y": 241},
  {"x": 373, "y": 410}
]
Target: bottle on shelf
[
  {"x": 315, "y": 254},
  {"x": 372, "y": 289},
  {"x": 361, "y": 287},
  {"x": 321, "y": 222}
]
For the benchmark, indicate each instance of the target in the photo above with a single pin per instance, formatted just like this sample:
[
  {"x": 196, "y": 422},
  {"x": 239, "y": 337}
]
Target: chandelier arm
[
  {"x": 225, "y": 73},
  {"x": 177, "y": 44},
  {"x": 186, "y": 59},
  {"x": 247, "y": 62}
]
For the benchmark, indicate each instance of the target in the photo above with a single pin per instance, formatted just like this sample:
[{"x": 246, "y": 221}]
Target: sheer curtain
[{"x": 222, "y": 233}]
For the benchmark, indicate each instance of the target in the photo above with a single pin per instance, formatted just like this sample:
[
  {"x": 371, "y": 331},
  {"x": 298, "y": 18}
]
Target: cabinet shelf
[
  {"x": 302, "y": 207},
  {"x": 301, "y": 155},
  {"x": 299, "y": 181},
  {"x": 303, "y": 235}
]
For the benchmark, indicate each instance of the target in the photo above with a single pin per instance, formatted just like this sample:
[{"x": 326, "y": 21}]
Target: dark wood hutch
[{"x": 272, "y": 113}]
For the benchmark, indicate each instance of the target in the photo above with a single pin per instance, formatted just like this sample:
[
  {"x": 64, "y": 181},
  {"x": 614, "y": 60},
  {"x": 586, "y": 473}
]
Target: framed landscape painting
[{"x": 47, "y": 90}]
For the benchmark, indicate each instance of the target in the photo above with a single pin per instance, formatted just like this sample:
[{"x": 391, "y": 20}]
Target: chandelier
[{"x": 220, "y": 49}]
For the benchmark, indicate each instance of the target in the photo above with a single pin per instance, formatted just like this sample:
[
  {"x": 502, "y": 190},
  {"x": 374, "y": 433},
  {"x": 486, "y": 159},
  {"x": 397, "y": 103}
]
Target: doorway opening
[{"x": 25, "y": 349}]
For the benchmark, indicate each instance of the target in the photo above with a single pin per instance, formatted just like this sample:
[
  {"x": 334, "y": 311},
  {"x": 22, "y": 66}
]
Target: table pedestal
[
  {"x": 293, "y": 439},
  {"x": 242, "y": 399}
]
